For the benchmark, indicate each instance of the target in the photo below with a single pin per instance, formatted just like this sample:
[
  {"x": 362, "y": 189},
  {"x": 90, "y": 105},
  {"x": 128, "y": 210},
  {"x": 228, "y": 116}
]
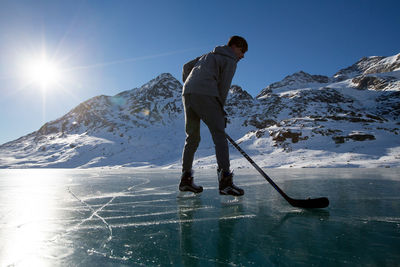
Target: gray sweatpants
[{"x": 208, "y": 109}]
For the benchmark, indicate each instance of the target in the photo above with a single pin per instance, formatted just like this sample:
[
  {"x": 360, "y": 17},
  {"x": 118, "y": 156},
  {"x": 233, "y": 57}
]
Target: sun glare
[{"x": 43, "y": 72}]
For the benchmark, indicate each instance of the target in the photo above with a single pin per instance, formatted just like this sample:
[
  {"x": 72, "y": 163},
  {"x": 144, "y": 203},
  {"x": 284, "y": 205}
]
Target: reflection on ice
[
  {"x": 133, "y": 217},
  {"x": 27, "y": 210}
]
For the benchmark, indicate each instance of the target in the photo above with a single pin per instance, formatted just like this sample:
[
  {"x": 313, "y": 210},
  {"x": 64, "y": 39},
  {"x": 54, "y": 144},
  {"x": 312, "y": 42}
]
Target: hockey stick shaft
[
  {"x": 257, "y": 167},
  {"x": 307, "y": 203}
]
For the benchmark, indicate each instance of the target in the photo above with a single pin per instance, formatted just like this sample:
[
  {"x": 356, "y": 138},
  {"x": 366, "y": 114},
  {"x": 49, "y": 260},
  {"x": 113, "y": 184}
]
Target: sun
[{"x": 43, "y": 72}]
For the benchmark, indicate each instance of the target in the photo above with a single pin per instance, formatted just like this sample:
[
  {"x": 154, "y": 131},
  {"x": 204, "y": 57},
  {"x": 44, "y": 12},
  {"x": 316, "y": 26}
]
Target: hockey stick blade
[
  {"x": 310, "y": 203},
  {"x": 315, "y": 203}
]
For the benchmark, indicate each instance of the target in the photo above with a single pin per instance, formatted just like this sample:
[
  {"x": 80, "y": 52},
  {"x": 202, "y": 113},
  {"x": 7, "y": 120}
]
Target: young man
[{"x": 207, "y": 80}]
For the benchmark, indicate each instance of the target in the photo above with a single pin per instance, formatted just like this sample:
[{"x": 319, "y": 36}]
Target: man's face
[{"x": 238, "y": 52}]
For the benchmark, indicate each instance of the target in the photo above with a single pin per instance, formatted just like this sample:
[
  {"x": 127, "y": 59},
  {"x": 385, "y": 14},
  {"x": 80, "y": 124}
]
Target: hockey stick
[{"x": 309, "y": 203}]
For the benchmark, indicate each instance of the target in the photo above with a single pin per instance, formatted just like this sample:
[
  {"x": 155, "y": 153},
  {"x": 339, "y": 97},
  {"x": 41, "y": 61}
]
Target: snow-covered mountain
[
  {"x": 294, "y": 81},
  {"x": 349, "y": 119},
  {"x": 134, "y": 128}
]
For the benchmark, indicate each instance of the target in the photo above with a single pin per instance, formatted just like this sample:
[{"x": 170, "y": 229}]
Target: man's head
[{"x": 238, "y": 45}]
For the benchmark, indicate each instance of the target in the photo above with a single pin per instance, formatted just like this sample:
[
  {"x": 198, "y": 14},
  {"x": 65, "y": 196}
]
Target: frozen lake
[{"x": 128, "y": 217}]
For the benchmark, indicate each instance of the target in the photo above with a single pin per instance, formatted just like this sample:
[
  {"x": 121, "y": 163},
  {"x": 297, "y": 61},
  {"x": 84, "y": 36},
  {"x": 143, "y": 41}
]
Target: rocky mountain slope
[{"x": 349, "y": 119}]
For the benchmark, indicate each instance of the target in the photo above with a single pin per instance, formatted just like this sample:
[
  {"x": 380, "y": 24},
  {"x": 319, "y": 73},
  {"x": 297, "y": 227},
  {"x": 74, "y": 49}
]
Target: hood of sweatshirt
[{"x": 225, "y": 51}]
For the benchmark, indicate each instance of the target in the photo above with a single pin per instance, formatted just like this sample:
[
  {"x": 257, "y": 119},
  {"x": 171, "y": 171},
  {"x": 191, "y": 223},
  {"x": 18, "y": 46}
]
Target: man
[{"x": 207, "y": 80}]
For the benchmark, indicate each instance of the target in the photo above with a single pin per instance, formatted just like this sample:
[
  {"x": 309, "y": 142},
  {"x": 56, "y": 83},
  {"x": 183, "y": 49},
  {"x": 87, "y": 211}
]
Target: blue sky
[{"x": 105, "y": 47}]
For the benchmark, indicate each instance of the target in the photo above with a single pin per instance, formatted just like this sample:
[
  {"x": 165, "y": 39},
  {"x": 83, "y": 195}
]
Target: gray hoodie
[{"x": 210, "y": 74}]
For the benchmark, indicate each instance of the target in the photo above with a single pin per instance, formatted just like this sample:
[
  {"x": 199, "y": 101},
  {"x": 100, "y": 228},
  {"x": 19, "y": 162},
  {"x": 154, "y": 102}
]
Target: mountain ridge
[{"x": 302, "y": 121}]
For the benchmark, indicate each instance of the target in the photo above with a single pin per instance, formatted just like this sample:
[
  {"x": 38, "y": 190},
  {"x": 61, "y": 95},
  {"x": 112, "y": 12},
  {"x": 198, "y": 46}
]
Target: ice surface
[{"x": 131, "y": 217}]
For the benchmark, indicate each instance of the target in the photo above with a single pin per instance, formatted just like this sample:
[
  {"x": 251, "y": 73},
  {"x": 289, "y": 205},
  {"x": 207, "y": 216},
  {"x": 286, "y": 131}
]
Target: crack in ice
[{"x": 95, "y": 213}]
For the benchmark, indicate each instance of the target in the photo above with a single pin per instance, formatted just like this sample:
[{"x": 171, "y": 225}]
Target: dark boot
[
  {"x": 226, "y": 186},
  {"x": 187, "y": 184}
]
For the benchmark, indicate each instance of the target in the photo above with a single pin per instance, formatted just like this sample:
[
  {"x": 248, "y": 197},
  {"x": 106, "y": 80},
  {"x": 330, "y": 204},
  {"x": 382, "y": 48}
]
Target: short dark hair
[{"x": 239, "y": 42}]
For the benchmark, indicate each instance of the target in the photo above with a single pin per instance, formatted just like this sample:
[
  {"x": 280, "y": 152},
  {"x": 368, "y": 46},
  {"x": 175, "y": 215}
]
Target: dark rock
[
  {"x": 371, "y": 82},
  {"x": 361, "y": 137},
  {"x": 259, "y": 123},
  {"x": 388, "y": 105},
  {"x": 338, "y": 139},
  {"x": 354, "y": 137},
  {"x": 283, "y": 134}
]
